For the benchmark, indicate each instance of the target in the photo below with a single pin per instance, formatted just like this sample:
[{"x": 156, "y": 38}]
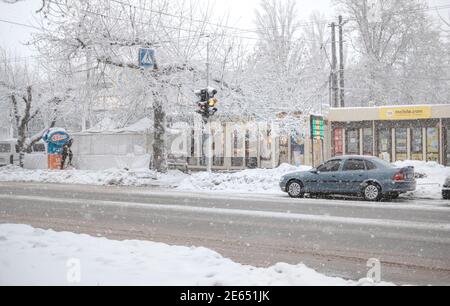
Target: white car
[{"x": 9, "y": 152}]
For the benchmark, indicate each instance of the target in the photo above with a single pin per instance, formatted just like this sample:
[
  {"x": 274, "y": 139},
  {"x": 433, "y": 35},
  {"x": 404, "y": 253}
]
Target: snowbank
[
  {"x": 255, "y": 180},
  {"x": 36, "y": 257},
  {"x": 120, "y": 177},
  {"x": 430, "y": 178}
]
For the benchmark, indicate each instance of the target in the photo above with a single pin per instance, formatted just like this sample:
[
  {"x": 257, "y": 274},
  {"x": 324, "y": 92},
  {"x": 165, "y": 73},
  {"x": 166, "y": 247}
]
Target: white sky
[{"x": 12, "y": 37}]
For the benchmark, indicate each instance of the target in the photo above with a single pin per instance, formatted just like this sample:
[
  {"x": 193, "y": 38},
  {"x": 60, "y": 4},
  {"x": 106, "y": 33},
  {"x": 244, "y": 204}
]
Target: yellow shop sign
[{"x": 406, "y": 113}]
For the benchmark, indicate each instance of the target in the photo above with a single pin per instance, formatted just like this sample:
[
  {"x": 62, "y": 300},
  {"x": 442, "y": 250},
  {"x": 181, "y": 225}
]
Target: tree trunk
[{"x": 159, "y": 131}]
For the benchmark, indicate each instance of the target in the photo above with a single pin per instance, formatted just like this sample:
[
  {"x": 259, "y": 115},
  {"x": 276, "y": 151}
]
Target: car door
[
  {"x": 327, "y": 181},
  {"x": 352, "y": 176}
]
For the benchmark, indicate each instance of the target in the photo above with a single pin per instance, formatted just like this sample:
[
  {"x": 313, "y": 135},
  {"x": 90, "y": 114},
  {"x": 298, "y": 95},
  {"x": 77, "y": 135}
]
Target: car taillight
[{"x": 399, "y": 177}]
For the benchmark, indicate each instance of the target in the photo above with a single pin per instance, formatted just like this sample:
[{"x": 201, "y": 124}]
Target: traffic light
[{"x": 207, "y": 103}]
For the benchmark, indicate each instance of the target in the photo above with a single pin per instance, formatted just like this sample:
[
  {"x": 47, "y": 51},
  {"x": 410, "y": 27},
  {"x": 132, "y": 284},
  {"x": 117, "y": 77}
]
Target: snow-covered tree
[
  {"x": 103, "y": 37},
  {"x": 29, "y": 101},
  {"x": 397, "y": 59}
]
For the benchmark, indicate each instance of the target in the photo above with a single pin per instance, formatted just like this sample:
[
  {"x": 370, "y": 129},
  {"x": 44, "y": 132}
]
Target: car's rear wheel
[
  {"x": 295, "y": 189},
  {"x": 372, "y": 193}
]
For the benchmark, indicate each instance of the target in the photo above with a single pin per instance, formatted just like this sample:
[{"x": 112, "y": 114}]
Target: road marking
[
  {"x": 238, "y": 212},
  {"x": 266, "y": 198}
]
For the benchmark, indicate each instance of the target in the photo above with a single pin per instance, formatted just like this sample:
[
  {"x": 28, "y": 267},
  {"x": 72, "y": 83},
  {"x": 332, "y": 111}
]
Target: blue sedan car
[{"x": 369, "y": 177}]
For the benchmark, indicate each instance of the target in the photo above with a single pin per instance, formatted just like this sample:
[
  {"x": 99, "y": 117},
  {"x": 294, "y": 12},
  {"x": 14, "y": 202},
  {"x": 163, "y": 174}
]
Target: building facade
[{"x": 393, "y": 133}]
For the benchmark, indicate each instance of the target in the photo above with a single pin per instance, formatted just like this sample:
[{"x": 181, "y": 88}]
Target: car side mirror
[{"x": 314, "y": 171}]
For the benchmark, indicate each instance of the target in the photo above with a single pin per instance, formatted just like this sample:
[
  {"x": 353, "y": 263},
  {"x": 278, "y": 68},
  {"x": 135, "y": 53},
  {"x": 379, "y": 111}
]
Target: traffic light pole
[{"x": 208, "y": 124}]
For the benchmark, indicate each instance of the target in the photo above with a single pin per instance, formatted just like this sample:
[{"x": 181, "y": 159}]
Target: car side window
[
  {"x": 354, "y": 165},
  {"x": 331, "y": 166},
  {"x": 370, "y": 166}
]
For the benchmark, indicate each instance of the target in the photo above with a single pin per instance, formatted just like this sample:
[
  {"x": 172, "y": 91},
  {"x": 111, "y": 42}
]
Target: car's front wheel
[
  {"x": 295, "y": 189},
  {"x": 372, "y": 192}
]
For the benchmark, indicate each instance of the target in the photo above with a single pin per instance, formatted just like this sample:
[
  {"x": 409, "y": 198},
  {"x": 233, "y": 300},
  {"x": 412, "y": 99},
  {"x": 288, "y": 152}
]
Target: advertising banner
[{"x": 406, "y": 113}]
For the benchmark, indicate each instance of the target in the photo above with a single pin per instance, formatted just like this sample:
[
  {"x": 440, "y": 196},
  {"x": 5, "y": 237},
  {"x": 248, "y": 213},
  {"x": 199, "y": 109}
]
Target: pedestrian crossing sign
[{"x": 147, "y": 58}]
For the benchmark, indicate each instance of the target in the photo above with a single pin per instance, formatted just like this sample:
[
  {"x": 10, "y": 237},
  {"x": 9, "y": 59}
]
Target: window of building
[
  {"x": 238, "y": 159},
  {"x": 251, "y": 161},
  {"x": 218, "y": 147},
  {"x": 284, "y": 149},
  {"x": 433, "y": 144},
  {"x": 368, "y": 141},
  {"x": 385, "y": 144},
  {"x": 338, "y": 142},
  {"x": 447, "y": 144},
  {"x": 5, "y": 148},
  {"x": 401, "y": 144},
  {"x": 416, "y": 144},
  {"x": 39, "y": 148},
  {"x": 352, "y": 140}
]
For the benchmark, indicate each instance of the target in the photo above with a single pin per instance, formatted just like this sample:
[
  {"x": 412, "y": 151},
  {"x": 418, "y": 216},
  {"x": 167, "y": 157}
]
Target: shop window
[
  {"x": 284, "y": 149},
  {"x": 433, "y": 144},
  {"x": 338, "y": 142},
  {"x": 266, "y": 146},
  {"x": 385, "y": 144},
  {"x": 401, "y": 144},
  {"x": 192, "y": 161},
  {"x": 237, "y": 160},
  {"x": 368, "y": 141},
  {"x": 352, "y": 140},
  {"x": 447, "y": 145},
  {"x": 251, "y": 161},
  {"x": 297, "y": 150},
  {"x": 416, "y": 144},
  {"x": 218, "y": 148}
]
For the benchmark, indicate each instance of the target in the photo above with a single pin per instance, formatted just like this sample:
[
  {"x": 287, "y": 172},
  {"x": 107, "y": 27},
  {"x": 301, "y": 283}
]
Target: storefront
[{"x": 392, "y": 133}]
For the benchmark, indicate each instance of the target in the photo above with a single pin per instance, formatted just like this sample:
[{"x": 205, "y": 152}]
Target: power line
[
  {"x": 19, "y": 24},
  {"x": 258, "y": 31}
]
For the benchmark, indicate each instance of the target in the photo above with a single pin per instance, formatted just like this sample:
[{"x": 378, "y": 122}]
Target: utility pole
[
  {"x": 88, "y": 98},
  {"x": 208, "y": 47},
  {"x": 341, "y": 62},
  {"x": 334, "y": 78}
]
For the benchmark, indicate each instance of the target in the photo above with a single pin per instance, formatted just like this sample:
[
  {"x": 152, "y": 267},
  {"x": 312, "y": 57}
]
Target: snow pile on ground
[
  {"x": 31, "y": 256},
  {"x": 430, "y": 178},
  {"x": 117, "y": 177},
  {"x": 255, "y": 180}
]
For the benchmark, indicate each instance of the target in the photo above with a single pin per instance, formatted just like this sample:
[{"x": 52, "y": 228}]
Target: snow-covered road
[{"x": 336, "y": 238}]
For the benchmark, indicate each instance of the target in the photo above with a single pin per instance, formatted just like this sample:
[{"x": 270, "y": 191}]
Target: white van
[{"x": 9, "y": 151}]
